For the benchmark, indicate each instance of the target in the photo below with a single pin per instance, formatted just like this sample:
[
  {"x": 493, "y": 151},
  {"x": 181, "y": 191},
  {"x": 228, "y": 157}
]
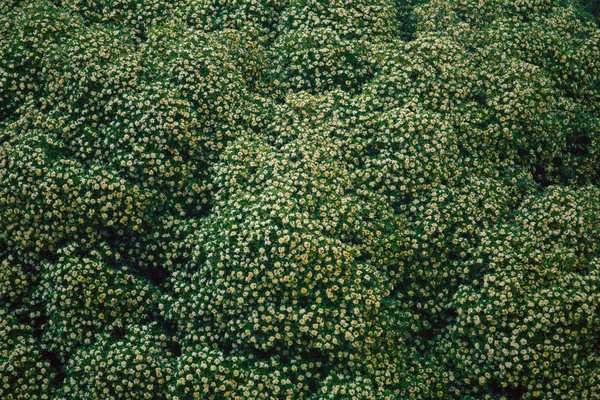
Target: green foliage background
[{"x": 287, "y": 199}]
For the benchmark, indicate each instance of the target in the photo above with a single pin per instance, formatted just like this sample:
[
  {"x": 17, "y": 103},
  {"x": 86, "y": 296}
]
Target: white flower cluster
[
  {"x": 288, "y": 199},
  {"x": 208, "y": 373},
  {"x": 525, "y": 327},
  {"x": 24, "y": 374},
  {"x": 83, "y": 296},
  {"x": 135, "y": 366},
  {"x": 325, "y": 45}
]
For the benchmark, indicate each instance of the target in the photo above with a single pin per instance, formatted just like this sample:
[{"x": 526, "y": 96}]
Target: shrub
[
  {"x": 24, "y": 372},
  {"x": 86, "y": 295},
  {"x": 299, "y": 199},
  {"x": 135, "y": 366}
]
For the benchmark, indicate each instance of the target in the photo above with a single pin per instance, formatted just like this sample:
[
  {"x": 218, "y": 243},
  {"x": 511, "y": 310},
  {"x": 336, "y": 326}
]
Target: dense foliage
[{"x": 287, "y": 199}]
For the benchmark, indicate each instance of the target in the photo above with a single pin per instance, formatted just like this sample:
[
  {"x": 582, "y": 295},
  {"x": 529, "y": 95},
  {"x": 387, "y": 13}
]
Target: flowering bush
[
  {"x": 288, "y": 199},
  {"x": 135, "y": 366},
  {"x": 324, "y": 45},
  {"x": 24, "y": 374},
  {"x": 525, "y": 326},
  {"x": 83, "y": 296}
]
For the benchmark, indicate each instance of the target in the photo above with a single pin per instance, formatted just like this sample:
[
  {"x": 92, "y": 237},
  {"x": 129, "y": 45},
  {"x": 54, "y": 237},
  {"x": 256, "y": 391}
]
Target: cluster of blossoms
[
  {"x": 274, "y": 270},
  {"x": 526, "y": 325},
  {"x": 349, "y": 199},
  {"x": 16, "y": 278},
  {"x": 137, "y": 365},
  {"x": 135, "y": 15},
  {"x": 203, "y": 372},
  {"x": 84, "y": 295},
  {"x": 327, "y": 44},
  {"x": 114, "y": 144},
  {"x": 536, "y": 75},
  {"x": 24, "y": 373}
]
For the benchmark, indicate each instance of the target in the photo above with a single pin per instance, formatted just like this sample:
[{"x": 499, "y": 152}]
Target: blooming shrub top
[{"x": 350, "y": 199}]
